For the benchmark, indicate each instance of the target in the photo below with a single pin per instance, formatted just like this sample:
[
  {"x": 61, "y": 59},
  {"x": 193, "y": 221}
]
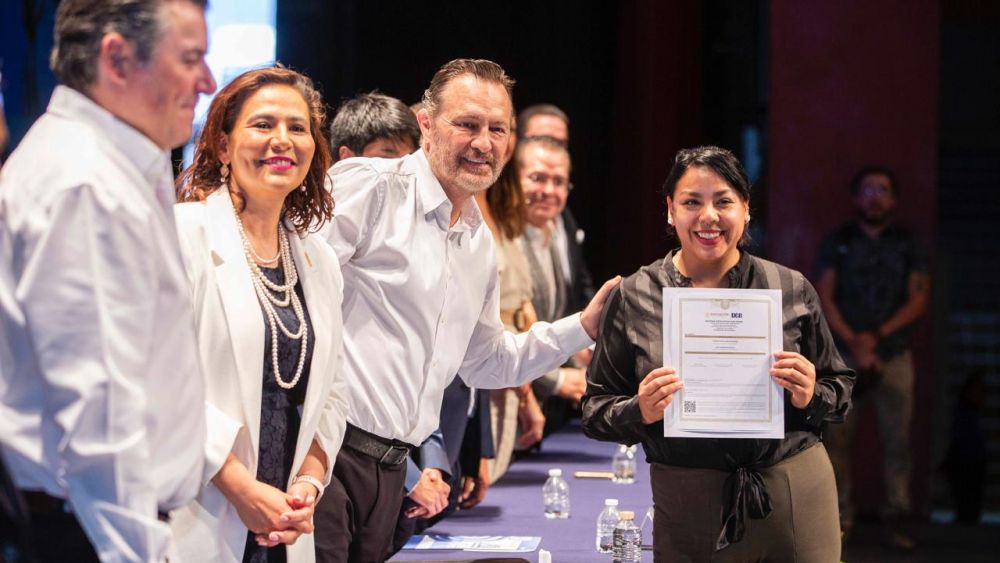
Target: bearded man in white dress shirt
[
  {"x": 421, "y": 300},
  {"x": 99, "y": 377}
]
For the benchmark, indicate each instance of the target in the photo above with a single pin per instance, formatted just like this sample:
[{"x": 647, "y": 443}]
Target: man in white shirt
[
  {"x": 421, "y": 300},
  {"x": 99, "y": 380}
]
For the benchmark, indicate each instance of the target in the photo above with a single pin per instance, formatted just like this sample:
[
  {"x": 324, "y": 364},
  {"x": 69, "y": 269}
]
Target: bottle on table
[
  {"x": 555, "y": 495},
  {"x": 606, "y": 522},
  {"x": 623, "y": 465},
  {"x": 627, "y": 539}
]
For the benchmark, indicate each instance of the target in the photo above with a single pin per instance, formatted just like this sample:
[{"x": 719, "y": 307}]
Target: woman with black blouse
[{"x": 722, "y": 499}]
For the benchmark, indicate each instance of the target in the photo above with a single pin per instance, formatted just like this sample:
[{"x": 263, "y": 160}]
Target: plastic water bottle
[
  {"x": 627, "y": 539},
  {"x": 555, "y": 495},
  {"x": 623, "y": 465},
  {"x": 606, "y": 522}
]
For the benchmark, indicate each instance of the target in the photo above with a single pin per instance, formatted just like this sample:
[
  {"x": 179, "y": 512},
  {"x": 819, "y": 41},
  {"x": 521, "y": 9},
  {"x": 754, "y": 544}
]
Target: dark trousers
[
  {"x": 14, "y": 538},
  {"x": 356, "y": 517},
  {"x": 56, "y": 535}
]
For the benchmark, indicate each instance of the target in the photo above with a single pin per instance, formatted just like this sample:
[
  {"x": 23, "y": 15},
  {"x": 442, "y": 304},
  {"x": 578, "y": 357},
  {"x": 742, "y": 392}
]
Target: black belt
[
  {"x": 387, "y": 452},
  {"x": 39, "y": 502}
]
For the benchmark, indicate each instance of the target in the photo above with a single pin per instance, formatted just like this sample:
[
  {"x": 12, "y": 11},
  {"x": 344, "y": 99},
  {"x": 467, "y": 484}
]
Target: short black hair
[
  {"x": 874, "y": 169},
  {"x": 721, "y": 161},
  {"x": 370, "y": 117}
]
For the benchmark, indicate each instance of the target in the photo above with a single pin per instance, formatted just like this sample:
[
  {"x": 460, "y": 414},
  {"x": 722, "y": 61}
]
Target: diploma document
[{"x": 721, "y": 342}]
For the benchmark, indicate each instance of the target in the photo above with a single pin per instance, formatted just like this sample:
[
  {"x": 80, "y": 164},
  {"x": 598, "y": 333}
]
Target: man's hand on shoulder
[{"x": 591, "y": 316}]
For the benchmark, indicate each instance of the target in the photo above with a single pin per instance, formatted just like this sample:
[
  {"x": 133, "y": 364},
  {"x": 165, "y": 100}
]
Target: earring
[
  {"x": 224, "y": 172},
  {"x": 748, "y": 217},
  {"x": 670, "y": 219},
  {"x": 303, "y": 188}
]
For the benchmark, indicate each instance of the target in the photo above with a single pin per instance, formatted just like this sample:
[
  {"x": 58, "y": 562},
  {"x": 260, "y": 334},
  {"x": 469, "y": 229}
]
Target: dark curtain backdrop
[{"x": 841, "y": 100}]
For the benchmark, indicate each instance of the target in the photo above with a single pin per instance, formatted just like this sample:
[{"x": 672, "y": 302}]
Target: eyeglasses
[
  {"x": 876, "y": 191},
  {"x": 558, "y": 182}
]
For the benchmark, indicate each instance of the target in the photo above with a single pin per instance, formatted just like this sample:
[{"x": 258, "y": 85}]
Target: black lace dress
[{"x": 279, "y": 411}]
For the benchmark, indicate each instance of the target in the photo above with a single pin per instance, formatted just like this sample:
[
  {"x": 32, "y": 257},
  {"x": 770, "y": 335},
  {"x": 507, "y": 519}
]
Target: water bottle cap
[
  {"x": 610, "y": 502},
  {"x": 626, "y": 515},
  {"x": 555, "y": 472}
]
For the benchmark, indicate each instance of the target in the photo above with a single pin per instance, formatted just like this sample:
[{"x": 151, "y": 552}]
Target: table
[{"x": 513, "y": 506}]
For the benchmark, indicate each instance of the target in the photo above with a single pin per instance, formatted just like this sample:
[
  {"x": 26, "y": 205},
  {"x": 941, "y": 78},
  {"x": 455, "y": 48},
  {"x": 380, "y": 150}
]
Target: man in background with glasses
[
  {"x": 544, "y": 164},
  {"x": 874, "y": 286}
]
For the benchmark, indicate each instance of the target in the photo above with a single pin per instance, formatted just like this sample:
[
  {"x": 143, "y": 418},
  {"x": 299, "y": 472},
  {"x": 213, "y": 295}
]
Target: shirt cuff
[
  {"x": 817, "y": 408},
  {"x": 572, "y": 337}
]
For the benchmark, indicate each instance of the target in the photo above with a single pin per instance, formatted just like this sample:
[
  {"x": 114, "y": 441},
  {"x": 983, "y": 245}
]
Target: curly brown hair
[{"x": 305, "y": 209}]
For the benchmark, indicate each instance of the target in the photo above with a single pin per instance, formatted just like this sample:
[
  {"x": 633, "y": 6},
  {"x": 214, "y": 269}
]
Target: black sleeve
[
  {"x": 583, "y": 282},
  {"x": 610, "y": 405},
  {"x": 834, "y": 380},
  {"x": 827, "y": 258}
]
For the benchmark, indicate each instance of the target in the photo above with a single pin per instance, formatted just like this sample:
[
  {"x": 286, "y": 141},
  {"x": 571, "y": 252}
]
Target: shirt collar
[
  {"x": 542, "y": 236},
  {"x": 738, "y": 275},
  {"x": 150, "y": 160},
  {"x": 435, "y": 202}
]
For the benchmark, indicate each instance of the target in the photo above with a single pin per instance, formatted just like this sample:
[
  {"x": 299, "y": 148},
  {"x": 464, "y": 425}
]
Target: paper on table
[
  {"x": 721, "y": 342},
  {"x": 510, "y": 544}
]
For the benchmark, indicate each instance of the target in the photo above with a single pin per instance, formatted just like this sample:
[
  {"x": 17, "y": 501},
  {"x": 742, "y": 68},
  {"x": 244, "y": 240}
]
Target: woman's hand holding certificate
[
  {"x": 797, "y": 374},
  {"x": 655, "y": 393}
]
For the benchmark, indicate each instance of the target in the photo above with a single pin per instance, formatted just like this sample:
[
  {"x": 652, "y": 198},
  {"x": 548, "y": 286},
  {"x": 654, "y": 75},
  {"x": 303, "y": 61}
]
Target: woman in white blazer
[{"x": 267, "y": 300}]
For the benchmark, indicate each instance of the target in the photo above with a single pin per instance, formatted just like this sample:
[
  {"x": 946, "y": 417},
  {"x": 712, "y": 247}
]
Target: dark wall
[
  {"x": 850, "y": 89},
  {"x": 558, "y": 52}
]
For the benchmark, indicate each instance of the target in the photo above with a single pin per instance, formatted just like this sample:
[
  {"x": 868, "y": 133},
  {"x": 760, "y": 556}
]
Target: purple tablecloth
[{"x": 513, "y": 506}]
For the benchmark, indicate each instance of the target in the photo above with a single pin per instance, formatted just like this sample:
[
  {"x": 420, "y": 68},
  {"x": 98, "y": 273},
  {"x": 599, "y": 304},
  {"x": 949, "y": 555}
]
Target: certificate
[{"x": 721, "y": 342}]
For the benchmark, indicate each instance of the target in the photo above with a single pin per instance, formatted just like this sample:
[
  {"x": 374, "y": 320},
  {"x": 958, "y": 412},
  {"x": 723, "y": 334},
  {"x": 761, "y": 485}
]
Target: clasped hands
[
  {"x": 791, "y": 370},
  {"x": 430, "y": 494},
  {"x": 276, "y": 516}
]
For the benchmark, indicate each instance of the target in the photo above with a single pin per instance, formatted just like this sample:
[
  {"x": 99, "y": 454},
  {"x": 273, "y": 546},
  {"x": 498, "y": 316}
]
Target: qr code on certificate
[{"x": 690, "y": 406}]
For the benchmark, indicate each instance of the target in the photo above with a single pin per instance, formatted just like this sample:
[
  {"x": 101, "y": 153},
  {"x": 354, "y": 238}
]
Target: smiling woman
[
  {"x": 786, "y": 486},
  {"x": 250, "y": 198}
]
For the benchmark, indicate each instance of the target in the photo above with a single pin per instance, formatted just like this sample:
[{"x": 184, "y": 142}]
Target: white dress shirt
[
  {"x": 421, "y": 299},
  {"x": 99, "y": 376}
]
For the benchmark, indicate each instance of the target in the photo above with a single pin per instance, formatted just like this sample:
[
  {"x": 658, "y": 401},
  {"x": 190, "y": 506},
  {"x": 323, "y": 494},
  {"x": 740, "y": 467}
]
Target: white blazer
[{"x": 230, "y": 329}]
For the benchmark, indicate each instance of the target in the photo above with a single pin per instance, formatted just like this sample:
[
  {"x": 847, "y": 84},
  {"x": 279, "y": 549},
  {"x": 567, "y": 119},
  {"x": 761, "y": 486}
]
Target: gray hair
[
  {"x": 369, "y": 117},
  {"x": 480, "y": 68},
  {"x": 82, "y": 24}
]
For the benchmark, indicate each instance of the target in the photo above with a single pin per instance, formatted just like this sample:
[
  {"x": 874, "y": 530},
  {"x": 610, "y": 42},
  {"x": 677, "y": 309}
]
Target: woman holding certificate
[
  {"x": 267, "y": 298},
  {"x": 732, "y": 498}
]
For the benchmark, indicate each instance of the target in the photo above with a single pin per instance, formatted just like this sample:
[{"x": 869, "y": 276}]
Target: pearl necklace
[{"x": 264, "y": 287}]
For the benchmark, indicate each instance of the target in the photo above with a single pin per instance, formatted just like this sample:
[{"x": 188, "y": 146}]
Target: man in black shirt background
[{"x": 873, "y": 285}]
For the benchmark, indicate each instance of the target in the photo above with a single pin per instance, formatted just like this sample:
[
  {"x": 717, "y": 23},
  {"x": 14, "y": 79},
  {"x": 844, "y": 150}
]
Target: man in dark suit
[
  {"x": 547, "y": 120},
  {"x": 559, "y": 277}
]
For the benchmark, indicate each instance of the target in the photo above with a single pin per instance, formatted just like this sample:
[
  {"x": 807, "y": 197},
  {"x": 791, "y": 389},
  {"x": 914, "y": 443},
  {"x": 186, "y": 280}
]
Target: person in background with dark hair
[
  {"x": 421, "y": 300},
  {"x": 373, "y": 125},
  {"x": 516, "y": 414},
  {"x": 874, "y": 286},
  {"x": 99, "y": 366},
  {"x": 777, "y": 498}
]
